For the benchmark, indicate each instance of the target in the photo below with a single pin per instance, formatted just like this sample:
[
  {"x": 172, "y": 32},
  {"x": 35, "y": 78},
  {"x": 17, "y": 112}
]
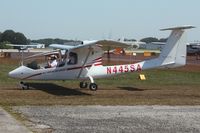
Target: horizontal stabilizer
[{"x": 179, "y": 27}]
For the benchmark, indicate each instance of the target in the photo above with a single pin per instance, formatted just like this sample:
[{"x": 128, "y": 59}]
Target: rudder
[{"x": 174, "y": 52}]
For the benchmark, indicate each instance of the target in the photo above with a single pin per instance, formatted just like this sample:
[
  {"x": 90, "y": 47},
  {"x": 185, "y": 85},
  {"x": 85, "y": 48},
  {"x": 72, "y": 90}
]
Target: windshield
[
  {"x": 43, "y": 60},
  {"x": 51, "y": 59}
]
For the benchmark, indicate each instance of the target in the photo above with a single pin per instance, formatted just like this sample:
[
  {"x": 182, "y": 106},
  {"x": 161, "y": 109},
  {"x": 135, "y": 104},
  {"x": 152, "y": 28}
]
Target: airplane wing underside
[{"x": 105, "y": 44}]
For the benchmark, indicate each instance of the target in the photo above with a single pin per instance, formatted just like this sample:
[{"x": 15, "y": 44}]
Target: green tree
[
  {"x": 0, "y": 36},
  {"x": 149, "y": 39},
  {"x": 19, "y": 38},
  {"x": 125, "y": 39},
  {"x": 12, "y": 37},
  {"x": 7, "y": 35},
  {"x": 163, "y": 40},
  {"x": 28, "y": 41}
]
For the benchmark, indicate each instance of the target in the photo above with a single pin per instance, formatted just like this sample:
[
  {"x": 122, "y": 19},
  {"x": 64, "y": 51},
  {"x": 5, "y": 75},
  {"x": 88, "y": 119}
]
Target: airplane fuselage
[{"x": 72, "y": 72}]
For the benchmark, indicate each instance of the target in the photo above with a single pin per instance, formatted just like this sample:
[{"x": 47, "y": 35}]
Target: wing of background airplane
[{"x": 22, "y": 46}]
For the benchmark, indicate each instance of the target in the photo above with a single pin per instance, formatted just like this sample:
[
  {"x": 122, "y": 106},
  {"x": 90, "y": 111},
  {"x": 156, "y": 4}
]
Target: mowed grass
[{"x": 179, "y": 86}]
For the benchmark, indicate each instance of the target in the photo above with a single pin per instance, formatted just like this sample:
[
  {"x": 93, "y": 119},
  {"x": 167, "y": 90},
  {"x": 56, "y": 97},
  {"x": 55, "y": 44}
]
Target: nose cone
[
  {"x": 19, "y": 72},
  {"x": 15, "y": 73},
  {"x": 11, "y": 74}
]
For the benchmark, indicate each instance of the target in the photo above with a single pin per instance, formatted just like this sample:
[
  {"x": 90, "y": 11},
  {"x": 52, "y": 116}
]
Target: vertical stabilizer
[{"x": 174, "y": 52}]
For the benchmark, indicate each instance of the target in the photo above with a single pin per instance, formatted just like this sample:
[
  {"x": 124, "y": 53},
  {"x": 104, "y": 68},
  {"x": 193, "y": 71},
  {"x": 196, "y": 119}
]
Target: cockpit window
[
  {"x": 51, "y": 60},
  {"x": 43, "y": 60},
  {"x": 73, "y": 58},
  {"x": 33, "y": 65}
]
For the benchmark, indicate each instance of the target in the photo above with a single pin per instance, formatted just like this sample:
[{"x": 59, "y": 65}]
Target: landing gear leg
[
  {"x": 24, "y": 86},
  {"x": 93, "y": 86}
]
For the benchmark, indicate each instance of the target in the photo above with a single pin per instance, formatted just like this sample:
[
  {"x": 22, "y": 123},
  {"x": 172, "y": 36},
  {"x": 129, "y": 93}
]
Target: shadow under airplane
[
  {"x": 56, "y": 89},
  {"x": 130, "y": 88}
]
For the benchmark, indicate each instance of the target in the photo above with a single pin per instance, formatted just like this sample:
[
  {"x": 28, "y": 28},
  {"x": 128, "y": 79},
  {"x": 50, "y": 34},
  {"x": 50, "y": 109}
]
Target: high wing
[
  {"x": 113, "y": 44},
  {"x": 105, "y": 44},
  {"x": 43, "y": 54},
  {"x": 70, "y": 47}
]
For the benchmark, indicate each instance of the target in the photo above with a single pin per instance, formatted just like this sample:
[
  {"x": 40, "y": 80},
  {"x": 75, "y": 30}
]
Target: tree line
[
  {"x": 153, "y": 39},
  {"x": 12, "y": 37}
]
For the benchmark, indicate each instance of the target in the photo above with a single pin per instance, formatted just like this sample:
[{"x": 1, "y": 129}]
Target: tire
[
  {"x": 24, "y": 86},
  {"x": 83, "y": 84},
  {"x": 93, "y": 87}
]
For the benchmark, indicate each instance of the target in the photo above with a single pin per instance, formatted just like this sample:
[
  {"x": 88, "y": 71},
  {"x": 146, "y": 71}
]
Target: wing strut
[{"x": 84, "y": 62}]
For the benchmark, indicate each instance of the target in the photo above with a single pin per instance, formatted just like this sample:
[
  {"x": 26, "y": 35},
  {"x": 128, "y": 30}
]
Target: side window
[
  {"x": 73, "y": 58},
  {"x": 63, "y": 58}
]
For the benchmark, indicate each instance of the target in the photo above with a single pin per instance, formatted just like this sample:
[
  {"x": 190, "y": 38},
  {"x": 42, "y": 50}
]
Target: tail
[{"x": 173, "y": 53}]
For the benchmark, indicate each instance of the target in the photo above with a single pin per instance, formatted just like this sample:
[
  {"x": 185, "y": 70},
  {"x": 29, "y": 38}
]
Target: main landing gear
[
  {"x": 92, "y": 86},
  {"x": 24, "y": 86},
  {"x": 83, "y": 84}
]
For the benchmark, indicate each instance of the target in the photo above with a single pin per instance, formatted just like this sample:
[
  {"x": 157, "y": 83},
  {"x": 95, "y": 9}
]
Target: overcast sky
[{"x": 98, "y": 19}]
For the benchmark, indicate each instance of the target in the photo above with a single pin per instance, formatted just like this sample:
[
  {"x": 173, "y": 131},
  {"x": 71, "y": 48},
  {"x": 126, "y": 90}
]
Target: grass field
[{"x": 179, "y": 86}]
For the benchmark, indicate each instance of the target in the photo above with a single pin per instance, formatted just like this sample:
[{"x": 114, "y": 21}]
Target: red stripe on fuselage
[
  {"x": 33, "y": 75},
  {"x": 97, "y": 59},
  {"x": 72, "y": 68},
  {"x": 78, "y": 67}
]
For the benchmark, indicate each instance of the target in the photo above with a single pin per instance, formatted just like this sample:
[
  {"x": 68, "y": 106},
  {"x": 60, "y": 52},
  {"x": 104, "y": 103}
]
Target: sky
[{"x": 98, "y": 19}]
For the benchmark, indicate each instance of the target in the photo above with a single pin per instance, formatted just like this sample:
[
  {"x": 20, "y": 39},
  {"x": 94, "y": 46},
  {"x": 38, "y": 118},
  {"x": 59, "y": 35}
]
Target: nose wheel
[{"x": 24, "y": 86}]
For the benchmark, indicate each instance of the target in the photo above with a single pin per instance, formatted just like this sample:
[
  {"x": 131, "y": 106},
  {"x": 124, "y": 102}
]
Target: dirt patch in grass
[{"x": 69, "y": 95}]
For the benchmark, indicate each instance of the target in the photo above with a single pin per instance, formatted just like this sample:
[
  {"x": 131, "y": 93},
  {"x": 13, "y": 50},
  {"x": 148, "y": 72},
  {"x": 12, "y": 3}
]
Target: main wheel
[
  {"x": 93, "y": 87},
  {"x": 83, "y": 85}
]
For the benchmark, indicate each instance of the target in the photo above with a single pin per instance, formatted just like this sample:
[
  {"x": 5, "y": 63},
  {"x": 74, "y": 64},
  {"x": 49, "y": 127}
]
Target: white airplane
[
  {"x": 24, "y": 47},
  {"x": 193, "y": 48},
  {"x": 135, "y": 44},
  {"x": 87, "y": 62}
]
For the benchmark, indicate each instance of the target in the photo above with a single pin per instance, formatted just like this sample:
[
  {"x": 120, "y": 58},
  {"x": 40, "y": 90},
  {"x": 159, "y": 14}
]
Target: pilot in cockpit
[{"x": 52, "y": 61}]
